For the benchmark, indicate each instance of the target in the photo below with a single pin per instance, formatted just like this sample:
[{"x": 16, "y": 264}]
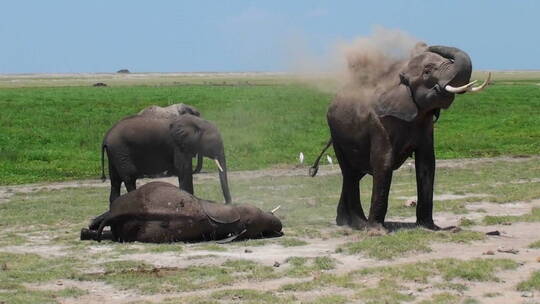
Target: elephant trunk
[
  {"x": 223, "y": 178},
  {"x": 459, "y": 72},
  {"x": 199, "y": 164}
]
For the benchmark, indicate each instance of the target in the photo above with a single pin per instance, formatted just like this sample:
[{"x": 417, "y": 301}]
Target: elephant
[
  {"x": 172, "y": 112},
  {"x": 144, "y": 145},
  {"x": 159, "y": 212},
  {"x": 375, "y": 132}
]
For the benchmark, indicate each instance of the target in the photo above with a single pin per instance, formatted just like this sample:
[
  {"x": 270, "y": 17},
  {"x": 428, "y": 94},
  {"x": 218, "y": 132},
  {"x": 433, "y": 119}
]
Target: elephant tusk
[
  {"x": 482, "y": 86},
  {"x": 275, "y": 209},
  {"x": 460, "y": 89},
  {"x": 218, "y": 165}
]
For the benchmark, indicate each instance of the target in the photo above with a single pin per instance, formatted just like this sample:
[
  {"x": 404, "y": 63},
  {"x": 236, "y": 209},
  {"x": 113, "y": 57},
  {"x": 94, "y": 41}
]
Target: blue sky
[{"x": 185, "y": 36}]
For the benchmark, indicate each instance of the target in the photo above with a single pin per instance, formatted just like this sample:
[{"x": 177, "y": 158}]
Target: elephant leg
[
  {"x": 425, "y": 175},
  {"x": 184, "y": 170},
  {"x": 130, "y": 183},
  {"x": 116, "y": 183},
  {"x": 349, "y": 209},
  {"x": 382, "y": 179}
]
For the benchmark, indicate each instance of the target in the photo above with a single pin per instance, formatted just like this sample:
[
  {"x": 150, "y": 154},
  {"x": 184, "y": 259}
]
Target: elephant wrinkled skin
[
  {"x": 144, "y": 145},
  {"x": 159, "y": 212},
  {"x": 375, "y": 132}
]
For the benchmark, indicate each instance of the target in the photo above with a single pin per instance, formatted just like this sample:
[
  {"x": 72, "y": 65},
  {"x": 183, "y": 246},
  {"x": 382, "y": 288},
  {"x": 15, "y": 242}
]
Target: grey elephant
[
  {"x": 172, "y": 112},
  {"x": 144, "y": 145},
  {"x": 375, "y": 132},
  {"x": 159, "y": 212}
]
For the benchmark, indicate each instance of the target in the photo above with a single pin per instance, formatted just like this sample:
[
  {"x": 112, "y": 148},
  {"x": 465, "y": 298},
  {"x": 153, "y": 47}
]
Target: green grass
[
  {"x": 55, "y": 133},
  {"x": 479, "y": 270},
  {"x": 406, "y": 241},
  {"x": 535, "y": 245},
  {"x": 534, "y": 216},
  {"x": 533, "y": 283},
  {"x": 18, "y": 270}
]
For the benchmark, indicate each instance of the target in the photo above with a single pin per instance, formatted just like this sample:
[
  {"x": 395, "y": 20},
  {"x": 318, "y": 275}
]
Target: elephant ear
[
  {"x": 219, "y": 213},
  {"x": 184, "y": 134},
  {"x": 398, "y": 102}
]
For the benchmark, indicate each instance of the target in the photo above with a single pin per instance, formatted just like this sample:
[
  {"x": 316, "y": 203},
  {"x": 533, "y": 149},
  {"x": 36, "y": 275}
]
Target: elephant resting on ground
[
  {"x": 159, "y": 212},
  {"x": 172, "y": 112},
  {"x": 144, "y": 145},
  {"x": 374, "y": 132}
]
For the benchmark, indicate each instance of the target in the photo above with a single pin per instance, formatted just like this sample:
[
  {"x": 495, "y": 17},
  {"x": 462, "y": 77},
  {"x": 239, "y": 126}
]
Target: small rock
[
  {"x": 410, "y": 203},
  {"x": 496, "y": 232},
  {"x": 527, "y": 294},
  {"x": 59, "y": 283},
  {"x": 511, "y": 250},
  {"x": 489, "y": 252},
  {"x": 277, "y": 264},
  {"x": 506, "y": 223},
  {"x": 248, "y": 251}
]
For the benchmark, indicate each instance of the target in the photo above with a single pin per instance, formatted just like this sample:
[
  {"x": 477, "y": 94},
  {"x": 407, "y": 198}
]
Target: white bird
[
  {"x": 301, "y": 158},
  {"x": 329, "y": 159}
]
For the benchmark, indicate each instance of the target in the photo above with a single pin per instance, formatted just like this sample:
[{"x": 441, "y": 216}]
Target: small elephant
[
  {"x": 172, "y": 112},
  {"x": 374, "y": 132},
  {"x": 159, "y": 212},
  {"x": 144, "y": 145}
]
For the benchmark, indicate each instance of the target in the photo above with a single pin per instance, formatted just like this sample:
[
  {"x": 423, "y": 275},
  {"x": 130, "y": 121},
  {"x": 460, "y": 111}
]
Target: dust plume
[{"x": 364, "y": 62}]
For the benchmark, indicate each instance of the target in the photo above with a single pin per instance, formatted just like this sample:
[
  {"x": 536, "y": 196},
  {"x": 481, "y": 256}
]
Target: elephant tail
[
  {"x": 315, "y": 168},
  {"x": 103, "y": 177}
]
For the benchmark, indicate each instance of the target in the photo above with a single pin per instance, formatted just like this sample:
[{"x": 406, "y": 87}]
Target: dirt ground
[{"x": 512, "y": 243}]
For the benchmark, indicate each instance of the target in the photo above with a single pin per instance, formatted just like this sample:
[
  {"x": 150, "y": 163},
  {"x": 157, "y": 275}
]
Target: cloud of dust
[{"x": 364, "y": 62}]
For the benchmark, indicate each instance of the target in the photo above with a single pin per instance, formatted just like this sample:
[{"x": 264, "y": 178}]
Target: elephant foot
[
  {"x": 430, "y": 225},
  {"x": 376, "y": 229},
  {"x": 342, "y": 220},
  {"x": 353, "y": 221}
]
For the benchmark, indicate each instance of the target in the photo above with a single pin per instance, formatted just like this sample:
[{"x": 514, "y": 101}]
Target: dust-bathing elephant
[
  {"x": 144, "y": 145},
  {"x": 172, "y": 112},
  {"x": 374, "y": 132},
  {"x": 159, "y": 212}
]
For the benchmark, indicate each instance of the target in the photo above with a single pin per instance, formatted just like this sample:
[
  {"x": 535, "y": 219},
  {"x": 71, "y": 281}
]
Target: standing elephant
[
  {"x": 172, "y": 112},
  {"x": 375, "y": 132},
  {"x": 159, "y": 212},
  {"x": 143, "y": 145}
]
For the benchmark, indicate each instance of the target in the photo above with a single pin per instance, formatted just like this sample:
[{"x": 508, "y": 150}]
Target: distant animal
[
  {"x": 159, "y": 212},
  {"x": 141, "y": 145},
  {"x": 375, "y": 133},
  {"x": 99, "y": 84}
]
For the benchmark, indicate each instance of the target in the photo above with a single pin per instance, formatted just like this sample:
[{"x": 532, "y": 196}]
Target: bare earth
[{"x": 516, "y": 236}]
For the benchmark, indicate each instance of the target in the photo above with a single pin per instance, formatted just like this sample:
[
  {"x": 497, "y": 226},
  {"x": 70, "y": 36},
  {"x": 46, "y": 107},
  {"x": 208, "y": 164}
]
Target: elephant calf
[{"x": 159, "y": 212}]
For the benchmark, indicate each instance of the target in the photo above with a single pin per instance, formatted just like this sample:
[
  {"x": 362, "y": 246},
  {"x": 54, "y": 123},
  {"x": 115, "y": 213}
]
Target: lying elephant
[{"x": 159, "y": 212}]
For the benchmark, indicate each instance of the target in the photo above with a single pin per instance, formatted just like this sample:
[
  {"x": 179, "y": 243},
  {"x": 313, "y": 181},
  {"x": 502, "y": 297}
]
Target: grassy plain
[
  {"x": 42, "y": 260},
  {"x": 51, "y": 127}
]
